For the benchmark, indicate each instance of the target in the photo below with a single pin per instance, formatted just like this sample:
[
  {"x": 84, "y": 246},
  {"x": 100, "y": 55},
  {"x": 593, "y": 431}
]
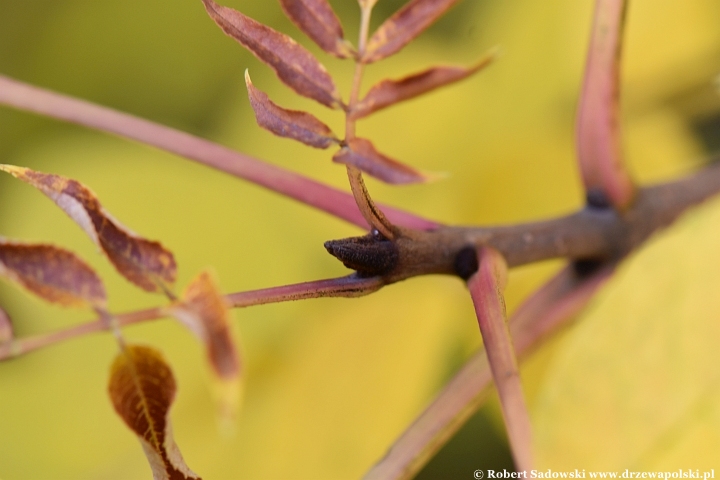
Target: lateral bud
[
  {"x": 466, "y": 262},
  {"x": 369, "y": 255}
]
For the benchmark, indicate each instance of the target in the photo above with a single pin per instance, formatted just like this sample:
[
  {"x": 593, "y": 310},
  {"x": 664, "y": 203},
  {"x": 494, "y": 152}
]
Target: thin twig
[
  {"x": 486, "y": 291},
  {"x": 349, "y": 286}
]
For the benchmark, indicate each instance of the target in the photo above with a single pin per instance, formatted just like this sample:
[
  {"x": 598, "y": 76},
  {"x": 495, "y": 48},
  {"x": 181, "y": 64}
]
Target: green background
[{"x": 329, "y": 383}]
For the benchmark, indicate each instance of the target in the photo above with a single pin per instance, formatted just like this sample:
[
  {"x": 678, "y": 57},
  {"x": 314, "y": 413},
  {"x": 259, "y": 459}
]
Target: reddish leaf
[
  {"x": 390, "y": 92},
  {"x": 293, "y": 64},
  {"x": 598, "y": 123},
  {"x": 6, "y": 329},
  {"x": 142, "y": 389},
  {"x": 54, "y": 274},
  {"x": 486, "y": 290},
  {"x": 361, "y": 154},
  {"x": 203, "y": 310},
  {"x": 318, "y": 21},
  {"x": 300, "y": 126},
  {"x": 407, "y": 23},
  {"x": 145, "y": 263}
]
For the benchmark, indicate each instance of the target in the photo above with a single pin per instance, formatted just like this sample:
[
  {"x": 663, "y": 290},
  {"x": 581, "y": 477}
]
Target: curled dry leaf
[
  {"x": 406, "y": 24},
  {"x": 361, "y": 154},
  {"x": 390, "y": 92},
  {"x": 203, "y": 310},
  {"x": 142, "y": 389},
  {"x": 6, "y": 329},
  {"x": 293, "y": 64},
  {"x": 300, "y": 126},
  {"x": 145, "y": 263},
  {"x": 318, "y": 21},
  {"x": 54, "y": 274}
]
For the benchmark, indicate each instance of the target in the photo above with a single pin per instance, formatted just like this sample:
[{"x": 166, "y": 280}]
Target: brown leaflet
[
  {"x": 142, "y": 389},
  {"x": 318, "y": 21},
  {"x": 292, "y": 63},
  {"x": 361, "y": 153},
  {"x": 204, "y": 310},
  {"x": 390, "y": 92},
  {"x": 6, "y": 329},
  {"x": 54, "y": 274},
  {"x": 143, "y": 262},
  {"x": 406, "y": 24},
  {"x": 300, "y": 126}
]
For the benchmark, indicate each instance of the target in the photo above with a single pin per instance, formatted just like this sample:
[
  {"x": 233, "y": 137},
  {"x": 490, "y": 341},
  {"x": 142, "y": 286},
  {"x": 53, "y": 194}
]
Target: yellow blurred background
[{"x": 329, "y": 383}]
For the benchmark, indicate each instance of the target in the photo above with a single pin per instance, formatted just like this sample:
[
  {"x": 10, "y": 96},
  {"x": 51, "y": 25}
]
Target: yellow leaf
[{"x": 637, "y": 382}]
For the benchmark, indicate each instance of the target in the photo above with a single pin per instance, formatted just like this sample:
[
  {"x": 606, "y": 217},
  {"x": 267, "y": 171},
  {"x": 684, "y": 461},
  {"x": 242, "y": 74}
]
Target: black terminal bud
[{"x": 370, "y": 255}]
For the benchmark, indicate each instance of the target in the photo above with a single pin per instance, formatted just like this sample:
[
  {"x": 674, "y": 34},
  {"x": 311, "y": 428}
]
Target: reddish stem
[
  {"x": 349, "y": 286},
  {"x": 486, "y": 290},
  {"x": 598, "y": 124},
  {"x": 545, "y": 311},
  {"x": 335, "y": 202}
]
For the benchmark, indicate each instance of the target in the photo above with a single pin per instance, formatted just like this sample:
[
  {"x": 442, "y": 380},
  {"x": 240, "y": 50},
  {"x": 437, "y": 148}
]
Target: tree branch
[{"x": 597, "y": 234}]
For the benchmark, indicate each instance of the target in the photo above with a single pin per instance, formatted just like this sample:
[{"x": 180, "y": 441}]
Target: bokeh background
[{"x": 329, "y": 383}]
